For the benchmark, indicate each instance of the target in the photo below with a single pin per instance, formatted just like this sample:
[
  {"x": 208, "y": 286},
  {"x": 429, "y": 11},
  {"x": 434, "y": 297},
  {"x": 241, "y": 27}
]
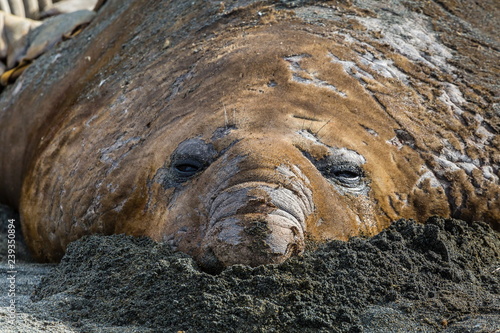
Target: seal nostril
[
  {"x": 210, "y": 264},
  {"x": 292, "y": 250}
]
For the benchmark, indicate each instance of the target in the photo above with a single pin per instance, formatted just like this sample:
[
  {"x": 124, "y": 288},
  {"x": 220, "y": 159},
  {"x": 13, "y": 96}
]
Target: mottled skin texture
[{"x": 285, "y": 143}]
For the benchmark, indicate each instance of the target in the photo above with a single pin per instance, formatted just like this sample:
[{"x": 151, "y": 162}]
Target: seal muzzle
[{"x": 256, "y": 223}]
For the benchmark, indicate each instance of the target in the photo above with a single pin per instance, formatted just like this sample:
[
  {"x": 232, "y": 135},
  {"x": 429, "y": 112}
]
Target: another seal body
[{"x": 233, "y": 138}]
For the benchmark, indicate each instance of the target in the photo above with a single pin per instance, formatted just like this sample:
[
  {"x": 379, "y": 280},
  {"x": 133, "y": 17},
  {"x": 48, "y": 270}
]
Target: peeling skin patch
[
  {"x": 402, "y": 138},
  {"x": 348, "y": 154},
  {"x": 434, "y": 182},
  {"x": 119, "y": 207},
  {"x": 351, "y": 68},
  {"x": 411, "y": 37},
  {"x": 454, "y": 99},
  {"x": 369, "y": 130},
  {"x": 454, "y": 94},
  {"x": 358, "y": 220},
  {"x": 395, "y": 142},
  {"x": 309, "y": 136},
  {"x": 415, "y": 41},
  {"x": 489, "y": 173},
  {"x": 451, "y": 159},
  {"x": 341, "y": 152},
  {"x": 301, "y": 75},
  {"x": 384, "y": 67},
  {"x": 453, "y": 155},
  {"x": 368, "y": 57},
  {"x": 18, "y": 87}
]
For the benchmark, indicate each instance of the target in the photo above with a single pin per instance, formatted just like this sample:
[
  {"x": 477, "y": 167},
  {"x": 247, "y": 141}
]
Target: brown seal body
[{"x": 235, "y": 137}]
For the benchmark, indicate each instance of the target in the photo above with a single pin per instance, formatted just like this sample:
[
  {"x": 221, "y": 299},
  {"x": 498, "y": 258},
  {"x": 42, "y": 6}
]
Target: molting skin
[{"x": 232, "y": 139}]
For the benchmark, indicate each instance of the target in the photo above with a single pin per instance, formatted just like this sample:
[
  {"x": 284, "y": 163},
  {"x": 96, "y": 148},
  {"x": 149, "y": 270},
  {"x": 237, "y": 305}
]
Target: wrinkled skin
[{"x": 235, "y": 145}]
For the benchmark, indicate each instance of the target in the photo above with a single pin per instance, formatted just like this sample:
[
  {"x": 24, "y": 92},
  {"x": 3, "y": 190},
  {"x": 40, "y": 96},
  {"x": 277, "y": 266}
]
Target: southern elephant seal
[{"x": 237, "y": 133}]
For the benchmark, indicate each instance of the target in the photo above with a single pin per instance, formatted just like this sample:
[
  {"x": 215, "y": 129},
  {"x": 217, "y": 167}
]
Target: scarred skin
[{"x": 235, "y": 144}]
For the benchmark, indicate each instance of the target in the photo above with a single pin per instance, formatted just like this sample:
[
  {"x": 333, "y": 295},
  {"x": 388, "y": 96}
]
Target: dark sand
[{"x": 443, "y": 276}]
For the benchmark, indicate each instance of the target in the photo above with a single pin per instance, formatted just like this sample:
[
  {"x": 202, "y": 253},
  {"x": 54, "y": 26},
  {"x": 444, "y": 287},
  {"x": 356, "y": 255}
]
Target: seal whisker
[
  {"x": 317, "y": 132},
  {"x": 226, "y": 122}
]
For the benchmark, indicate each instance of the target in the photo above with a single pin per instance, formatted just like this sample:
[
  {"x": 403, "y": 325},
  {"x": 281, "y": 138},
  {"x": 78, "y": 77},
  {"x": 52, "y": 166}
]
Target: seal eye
[
  {"x": 342, "y": 168},
  {"x": 346, "y": 174},
  {"x": 187, "y": 168},
  {"x": 191, "y": 157}
]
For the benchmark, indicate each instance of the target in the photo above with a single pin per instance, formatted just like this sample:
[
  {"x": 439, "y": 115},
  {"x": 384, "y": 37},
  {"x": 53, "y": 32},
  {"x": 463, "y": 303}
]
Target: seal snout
[{"x": 255, "y": 223}]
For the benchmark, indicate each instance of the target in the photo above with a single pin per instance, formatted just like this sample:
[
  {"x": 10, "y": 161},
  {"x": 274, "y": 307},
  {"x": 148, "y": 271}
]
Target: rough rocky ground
[{"x": 439, "y": 277}]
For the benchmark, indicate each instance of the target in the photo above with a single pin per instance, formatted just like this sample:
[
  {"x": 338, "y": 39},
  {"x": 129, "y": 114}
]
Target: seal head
[{"x": 253, "y": 195}]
